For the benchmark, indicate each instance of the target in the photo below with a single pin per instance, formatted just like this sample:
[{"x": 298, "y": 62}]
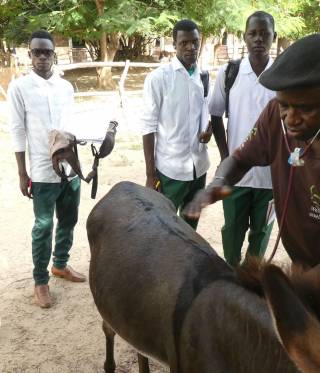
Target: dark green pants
[
  {"x": 181, "y": 193},
  {"x": 246, "y": 208},
  {"x": 63, "y": 198}
]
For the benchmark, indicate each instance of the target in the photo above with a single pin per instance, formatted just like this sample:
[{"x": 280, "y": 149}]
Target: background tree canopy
[
  {"x": 81, "y": 19},
  {"x": 104, "y": 25}
]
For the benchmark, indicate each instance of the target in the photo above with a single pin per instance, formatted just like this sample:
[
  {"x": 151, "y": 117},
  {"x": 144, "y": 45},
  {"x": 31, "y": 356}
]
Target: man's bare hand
[
  {"x": 25, "y": 185},
  {"x": 204, "y": 198},
  {"x": 205, "y": 136},
  {"x": 153, "y": 183}
]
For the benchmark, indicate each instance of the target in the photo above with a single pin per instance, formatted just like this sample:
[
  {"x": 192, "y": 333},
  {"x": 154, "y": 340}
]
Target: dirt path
[{"x": 68, "y": 338}]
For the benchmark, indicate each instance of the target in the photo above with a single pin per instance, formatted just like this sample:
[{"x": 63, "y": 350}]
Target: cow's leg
[
  {"x": 109, "y": 365},
  {"x": 143, "y": 364}
]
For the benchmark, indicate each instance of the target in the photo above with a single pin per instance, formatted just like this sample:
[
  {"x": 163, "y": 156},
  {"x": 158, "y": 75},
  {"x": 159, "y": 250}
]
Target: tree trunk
[
  {"x": 2, "y": 48},
  {"x": 109, "y": 44},
  {"x": 104, "y": 73},
  {"x": 200, "y": 57},
  {"x": 215, "y": 53},
  {"x": 202, "y": 44},
  {"x": 283, "y": 43}
]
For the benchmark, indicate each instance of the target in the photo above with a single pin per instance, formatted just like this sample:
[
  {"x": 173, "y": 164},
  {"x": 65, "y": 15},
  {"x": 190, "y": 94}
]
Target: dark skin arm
[
  {"x": 148, "y": 149},
  {"x": 219, "y": 134},
  {"x": 23, "y": 175},
  {"x": 227, "y": 175}
]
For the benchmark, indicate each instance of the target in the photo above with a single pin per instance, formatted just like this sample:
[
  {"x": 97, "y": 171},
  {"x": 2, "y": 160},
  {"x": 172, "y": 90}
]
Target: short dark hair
[
  {"x": 184, "y": 25},
  {"x": 261, "y": 15},
  {"x": 41, "y": 34}
]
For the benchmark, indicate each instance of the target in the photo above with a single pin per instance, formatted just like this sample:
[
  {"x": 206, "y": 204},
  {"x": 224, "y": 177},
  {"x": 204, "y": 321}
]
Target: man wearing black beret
[{"x": 286, "y": 137}]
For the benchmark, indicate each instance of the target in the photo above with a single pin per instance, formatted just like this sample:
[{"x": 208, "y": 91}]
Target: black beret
[{"x": 298, "y": 66}]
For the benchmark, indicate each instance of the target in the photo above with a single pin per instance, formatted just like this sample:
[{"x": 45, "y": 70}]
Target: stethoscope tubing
[{"x": 289, "y": 189}]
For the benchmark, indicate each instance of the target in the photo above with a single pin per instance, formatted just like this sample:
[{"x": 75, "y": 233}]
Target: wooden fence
[{"x": 126, "y": 65}]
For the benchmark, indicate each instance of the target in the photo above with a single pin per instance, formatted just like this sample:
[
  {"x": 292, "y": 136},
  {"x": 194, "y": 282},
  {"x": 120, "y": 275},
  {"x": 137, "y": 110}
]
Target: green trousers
[
  {"x": 181, "y": 193},
  {"x": 245, "y": 208},
  {"x": 63, "y": 198}
]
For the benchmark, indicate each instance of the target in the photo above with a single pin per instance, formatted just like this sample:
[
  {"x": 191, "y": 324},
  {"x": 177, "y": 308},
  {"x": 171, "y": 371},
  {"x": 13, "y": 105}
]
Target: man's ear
[{"x": 275, "y": 37}]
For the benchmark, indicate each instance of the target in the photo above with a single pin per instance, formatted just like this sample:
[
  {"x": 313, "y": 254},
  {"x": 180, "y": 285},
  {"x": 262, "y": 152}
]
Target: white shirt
[
  {"x": 246, "y": 101},
  {"x": 176, "y": 111},
  {"x": 37, "y": 107}
]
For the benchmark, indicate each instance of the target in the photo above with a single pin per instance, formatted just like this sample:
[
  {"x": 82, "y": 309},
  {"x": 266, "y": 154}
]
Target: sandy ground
[{"x": 68, "y": 337}]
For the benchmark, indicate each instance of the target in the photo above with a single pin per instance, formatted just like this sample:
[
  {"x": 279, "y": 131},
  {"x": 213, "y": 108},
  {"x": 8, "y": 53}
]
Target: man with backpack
[
  {"x": 175, "y": 122},
  {"x": 239, "y": 95}
]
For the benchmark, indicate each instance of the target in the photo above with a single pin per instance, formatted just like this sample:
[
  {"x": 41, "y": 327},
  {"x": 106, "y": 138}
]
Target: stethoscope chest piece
[{"x": 294, "y": 158}]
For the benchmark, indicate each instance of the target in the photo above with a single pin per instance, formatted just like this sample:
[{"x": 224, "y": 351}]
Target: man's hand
[
  {"x": 204, "y": 198},
  {"x": 153, "y": 183},
  {"x": 25, "y": 185},
  {"x": 205, "y": 137}
]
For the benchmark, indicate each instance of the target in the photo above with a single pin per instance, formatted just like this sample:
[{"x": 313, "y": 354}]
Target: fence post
[{"x": 122, "y": 81}]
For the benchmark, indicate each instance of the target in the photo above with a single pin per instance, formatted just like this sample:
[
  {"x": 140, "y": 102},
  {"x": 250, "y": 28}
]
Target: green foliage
[
  {"x": 80, "y": 20},
  {"x": 216, "y": 16},
  {"x": 309, "y": 10},
  {"x": 288, "y": 22},
  {"x": 150, "y": 18}
]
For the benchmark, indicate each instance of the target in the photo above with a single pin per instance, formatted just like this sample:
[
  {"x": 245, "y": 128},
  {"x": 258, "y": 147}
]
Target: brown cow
[{"x": 163, "y": 289}]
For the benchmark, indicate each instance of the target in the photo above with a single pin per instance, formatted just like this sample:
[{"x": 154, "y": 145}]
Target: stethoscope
[{"x": 295, "y": 160}]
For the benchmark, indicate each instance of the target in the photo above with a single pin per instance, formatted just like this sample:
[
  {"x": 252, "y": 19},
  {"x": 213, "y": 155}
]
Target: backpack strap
[
  {"x": 204, "y": 75},
  {"x": 231, "y": 74}
]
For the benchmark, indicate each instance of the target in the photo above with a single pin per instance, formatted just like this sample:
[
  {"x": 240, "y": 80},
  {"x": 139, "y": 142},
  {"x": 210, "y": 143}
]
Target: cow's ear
[{"x": 298, "y": 330}]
